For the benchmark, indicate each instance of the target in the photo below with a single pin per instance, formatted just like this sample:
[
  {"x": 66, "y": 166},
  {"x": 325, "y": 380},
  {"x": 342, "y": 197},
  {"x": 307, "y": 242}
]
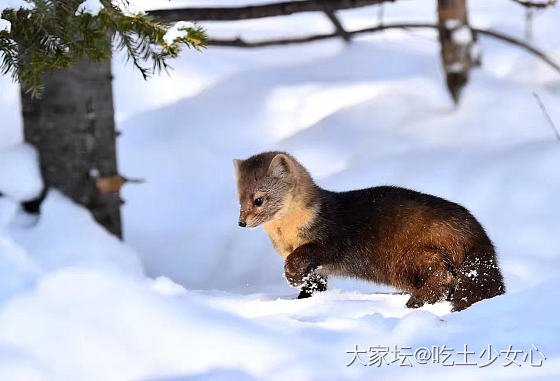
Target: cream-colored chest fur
[{"x": 285, "y": 232}]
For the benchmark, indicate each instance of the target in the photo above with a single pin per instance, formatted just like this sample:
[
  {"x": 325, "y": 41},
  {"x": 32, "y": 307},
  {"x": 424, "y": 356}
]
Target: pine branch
[{"x": 52, "y": 35}]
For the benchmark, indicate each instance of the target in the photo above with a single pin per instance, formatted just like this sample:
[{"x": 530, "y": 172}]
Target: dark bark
[
  {"x": 258, "y": 11},
  {"x": 456, "y": 55},
  {"x": 72, "y": 126}
]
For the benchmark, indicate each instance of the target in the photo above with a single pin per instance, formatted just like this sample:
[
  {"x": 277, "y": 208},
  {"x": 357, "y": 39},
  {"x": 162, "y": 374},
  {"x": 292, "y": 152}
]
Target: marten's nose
[{"x": 242, "y": 224}]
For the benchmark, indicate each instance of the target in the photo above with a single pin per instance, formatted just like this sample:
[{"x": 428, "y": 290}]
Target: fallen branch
[
  {"x": 259, "y": 11},
  {"x": 318, "y": 37}
]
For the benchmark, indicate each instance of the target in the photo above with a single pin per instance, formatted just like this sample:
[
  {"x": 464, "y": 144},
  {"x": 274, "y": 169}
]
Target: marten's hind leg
[
  {"x": 430, "y": 279},
  {"x": 478, "y": 278}
]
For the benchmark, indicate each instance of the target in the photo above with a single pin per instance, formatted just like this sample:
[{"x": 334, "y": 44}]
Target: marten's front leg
[
  {"x": 300, "y": 269},
  {"x": 313, "y": 283}
]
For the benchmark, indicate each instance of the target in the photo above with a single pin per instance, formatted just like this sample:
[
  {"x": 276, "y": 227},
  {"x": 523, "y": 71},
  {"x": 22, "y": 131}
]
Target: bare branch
[
  {"x": 259, "y": 11},
  {"x": 536, "y": 4},
  {"x": 238, "y": 42},
  {"x": 338, "y": 26},
  {"x": 521, "y": 44},
  {"x": 547, "y": 115}
]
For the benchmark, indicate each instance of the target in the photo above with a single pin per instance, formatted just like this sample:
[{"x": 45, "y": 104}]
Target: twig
[
  {"x": 380, "y": 14},
  {"x": 529, "y": 12},
  {"x": 114, "y": 183},
  {"x": 547, "y": 115},
  {"x": 238, "y": 42}
]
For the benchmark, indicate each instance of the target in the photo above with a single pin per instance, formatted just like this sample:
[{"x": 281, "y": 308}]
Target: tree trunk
[
  {"x": 459, "y": 52},
  {"x": 72, "y": 126}
]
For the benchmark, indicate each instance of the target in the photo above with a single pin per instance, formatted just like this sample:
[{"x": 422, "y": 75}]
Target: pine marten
[{"x": 424, "y": 245}]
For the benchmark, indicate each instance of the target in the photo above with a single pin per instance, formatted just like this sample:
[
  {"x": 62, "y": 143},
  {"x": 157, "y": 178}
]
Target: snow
[
  {"x": 20, "y": 176},
  {"x": 5, "y": 25},
  {"x": 91, "y": 6},
  {"x": 462, "y": 35},
  {"x": 189, "y": 295},
  {"x": 15, "y": 4},
  {"x": 177, "y": 30},
  {"x": 452, "y": 23}
]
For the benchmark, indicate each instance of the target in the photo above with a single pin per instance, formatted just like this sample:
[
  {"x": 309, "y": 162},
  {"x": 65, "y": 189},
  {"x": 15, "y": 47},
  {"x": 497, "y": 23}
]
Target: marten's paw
[
  {"x": 415, "y": 302},
  {"x": 304, "y": 294},
  {"x": 297, "y": 269}
]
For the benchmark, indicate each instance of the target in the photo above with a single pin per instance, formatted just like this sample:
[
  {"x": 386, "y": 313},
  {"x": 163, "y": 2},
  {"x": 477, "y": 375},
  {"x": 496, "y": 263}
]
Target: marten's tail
[{"x": 478, "y": 278}]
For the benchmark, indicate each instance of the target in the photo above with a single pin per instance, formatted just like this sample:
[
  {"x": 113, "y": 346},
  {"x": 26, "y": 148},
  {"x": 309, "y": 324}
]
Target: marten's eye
[{"x": 258, "y": 201}]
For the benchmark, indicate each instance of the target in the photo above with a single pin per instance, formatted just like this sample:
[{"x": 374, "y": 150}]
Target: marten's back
[{"x": 384, "y": 225}]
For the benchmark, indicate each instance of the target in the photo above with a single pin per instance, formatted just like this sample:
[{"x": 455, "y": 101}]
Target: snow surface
[
  {"x": 189, "y": 295},
  {"x": 20, "y": 177}
]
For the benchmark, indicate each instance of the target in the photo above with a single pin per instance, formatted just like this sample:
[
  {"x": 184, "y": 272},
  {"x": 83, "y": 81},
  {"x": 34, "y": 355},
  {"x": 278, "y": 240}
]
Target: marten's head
[{"x": 266, "y": 185}]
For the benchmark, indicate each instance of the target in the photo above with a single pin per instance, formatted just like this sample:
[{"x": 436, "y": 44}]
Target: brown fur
[{"x": 422, "y": 244}]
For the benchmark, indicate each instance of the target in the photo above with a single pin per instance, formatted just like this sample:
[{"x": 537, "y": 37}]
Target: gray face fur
[{"x": 267, "y": 176}]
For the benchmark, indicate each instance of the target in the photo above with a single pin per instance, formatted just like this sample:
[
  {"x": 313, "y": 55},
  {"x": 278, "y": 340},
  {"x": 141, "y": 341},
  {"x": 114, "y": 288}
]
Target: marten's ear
[
  {"x": 236, "y": 167},
  {"x": 280, "y": 166}
]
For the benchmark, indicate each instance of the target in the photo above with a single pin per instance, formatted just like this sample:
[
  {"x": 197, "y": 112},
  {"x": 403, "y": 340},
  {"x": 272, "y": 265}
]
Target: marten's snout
[{"x": 243, "y": 217}]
